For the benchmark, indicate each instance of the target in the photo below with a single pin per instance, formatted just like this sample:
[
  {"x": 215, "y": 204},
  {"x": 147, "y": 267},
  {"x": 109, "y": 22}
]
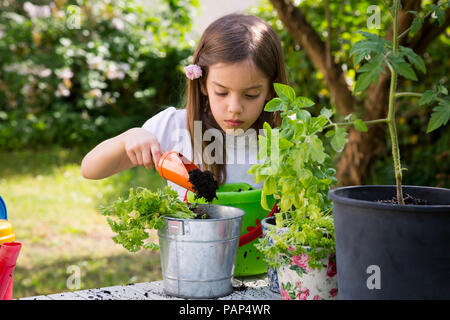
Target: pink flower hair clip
[{"x": 193, "y": 71}]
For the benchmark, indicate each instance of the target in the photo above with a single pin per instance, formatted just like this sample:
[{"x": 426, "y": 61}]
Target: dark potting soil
[
  {"x": 241, "y": 287},
  {"x": 408, "y": 200},
  {"x": 200, "y": 212},
  {"x": 205, "y": 186}
]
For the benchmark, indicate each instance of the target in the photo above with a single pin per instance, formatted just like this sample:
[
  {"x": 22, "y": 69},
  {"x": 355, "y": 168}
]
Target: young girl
[{"x": 237, "y": 61}]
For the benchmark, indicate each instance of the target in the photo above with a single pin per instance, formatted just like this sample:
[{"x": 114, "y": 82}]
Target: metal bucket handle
[{"x": 255, "y": 232}]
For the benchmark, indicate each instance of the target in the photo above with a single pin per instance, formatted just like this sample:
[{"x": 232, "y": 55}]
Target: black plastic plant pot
[{"x": 390, "y": 251}]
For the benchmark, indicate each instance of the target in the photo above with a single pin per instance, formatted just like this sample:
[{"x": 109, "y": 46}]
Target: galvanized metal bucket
[{"x": 198, "y": 255}]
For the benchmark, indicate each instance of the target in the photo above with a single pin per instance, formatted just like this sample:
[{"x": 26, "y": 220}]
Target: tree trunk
[{"x": 362, "y": 148}]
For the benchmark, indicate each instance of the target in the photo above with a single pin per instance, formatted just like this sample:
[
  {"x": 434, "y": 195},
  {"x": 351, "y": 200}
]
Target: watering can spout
[{"x": 175, "y": 167}]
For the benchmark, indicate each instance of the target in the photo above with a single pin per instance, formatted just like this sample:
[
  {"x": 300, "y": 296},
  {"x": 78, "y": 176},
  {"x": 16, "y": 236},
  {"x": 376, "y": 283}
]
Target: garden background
[{"x": 76, "y": 72}]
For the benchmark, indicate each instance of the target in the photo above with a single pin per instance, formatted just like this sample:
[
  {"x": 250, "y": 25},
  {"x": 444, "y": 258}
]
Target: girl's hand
[{"x": 142, "y": 148}]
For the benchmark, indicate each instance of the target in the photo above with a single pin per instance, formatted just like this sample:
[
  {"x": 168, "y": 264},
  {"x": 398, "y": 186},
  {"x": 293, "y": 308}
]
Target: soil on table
[
  {"x": 205, "y": 186},
  {"x": 241, "y": 287},
  {"x": 408, "y": 200}
]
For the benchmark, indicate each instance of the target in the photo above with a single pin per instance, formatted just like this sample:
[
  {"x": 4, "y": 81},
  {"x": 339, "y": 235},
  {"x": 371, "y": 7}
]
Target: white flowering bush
[{"x": 75, "y": 72}]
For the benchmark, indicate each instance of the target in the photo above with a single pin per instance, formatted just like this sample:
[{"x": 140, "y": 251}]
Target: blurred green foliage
[
  {"x": 77, "y": 72},
  {"x": 78, "y": 86}
]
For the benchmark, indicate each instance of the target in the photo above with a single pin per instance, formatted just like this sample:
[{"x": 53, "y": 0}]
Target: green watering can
[{"x": 249, "y": 260}]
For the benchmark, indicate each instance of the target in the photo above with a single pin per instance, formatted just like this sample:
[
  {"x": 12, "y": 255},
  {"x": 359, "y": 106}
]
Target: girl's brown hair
[{"x": 233, "y": 38}]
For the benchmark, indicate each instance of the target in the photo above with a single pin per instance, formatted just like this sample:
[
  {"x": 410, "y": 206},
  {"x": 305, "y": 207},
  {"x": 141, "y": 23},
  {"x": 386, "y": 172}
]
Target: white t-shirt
[{"x": 169, "y": 127}]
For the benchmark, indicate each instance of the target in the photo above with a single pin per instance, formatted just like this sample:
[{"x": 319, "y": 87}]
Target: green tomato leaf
[
  {"x": 440, "y": 116},
  {"x": 416, "y": 25},
  {"x": 359, "y": 51},
  {"x": 402, "y": 67},
  {"x": 443, "y": 90},
  {"x": 371, "y": 36},
  {"x": 364, "y": 48},
  {"x": 370, "y": 73},
  {"x": 373, "y": 46},
  {"x": 440, "y": 14},
  {"x": 427, "y": 97},
  {"x": 414, "y": 58}
]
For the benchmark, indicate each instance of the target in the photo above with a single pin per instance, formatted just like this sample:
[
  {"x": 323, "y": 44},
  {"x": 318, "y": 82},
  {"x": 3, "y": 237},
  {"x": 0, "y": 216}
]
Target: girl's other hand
[{"x": 142, "y": 148}]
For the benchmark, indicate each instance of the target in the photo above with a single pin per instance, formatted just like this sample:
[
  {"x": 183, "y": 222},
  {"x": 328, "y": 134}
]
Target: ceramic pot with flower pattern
[{"x": 298, "y": 281}]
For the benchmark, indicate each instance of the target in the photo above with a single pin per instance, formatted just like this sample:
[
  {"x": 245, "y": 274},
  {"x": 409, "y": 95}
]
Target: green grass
[{"x": 55, "y": 216}]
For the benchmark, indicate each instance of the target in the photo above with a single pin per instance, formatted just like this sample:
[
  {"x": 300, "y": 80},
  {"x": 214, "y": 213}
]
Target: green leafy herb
[
  {"x": 298, "y": 172},
  {"x": 142, "y": 211},
  {"x": 339, "y": 139}
]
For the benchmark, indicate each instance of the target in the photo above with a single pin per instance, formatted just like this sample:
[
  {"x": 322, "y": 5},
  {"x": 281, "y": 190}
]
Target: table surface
[{"x": 256, "y": 288}]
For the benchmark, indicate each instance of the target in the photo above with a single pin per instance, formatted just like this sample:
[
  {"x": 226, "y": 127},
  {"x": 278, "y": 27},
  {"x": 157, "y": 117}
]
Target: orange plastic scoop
[{"x": 175, "y": 167}]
